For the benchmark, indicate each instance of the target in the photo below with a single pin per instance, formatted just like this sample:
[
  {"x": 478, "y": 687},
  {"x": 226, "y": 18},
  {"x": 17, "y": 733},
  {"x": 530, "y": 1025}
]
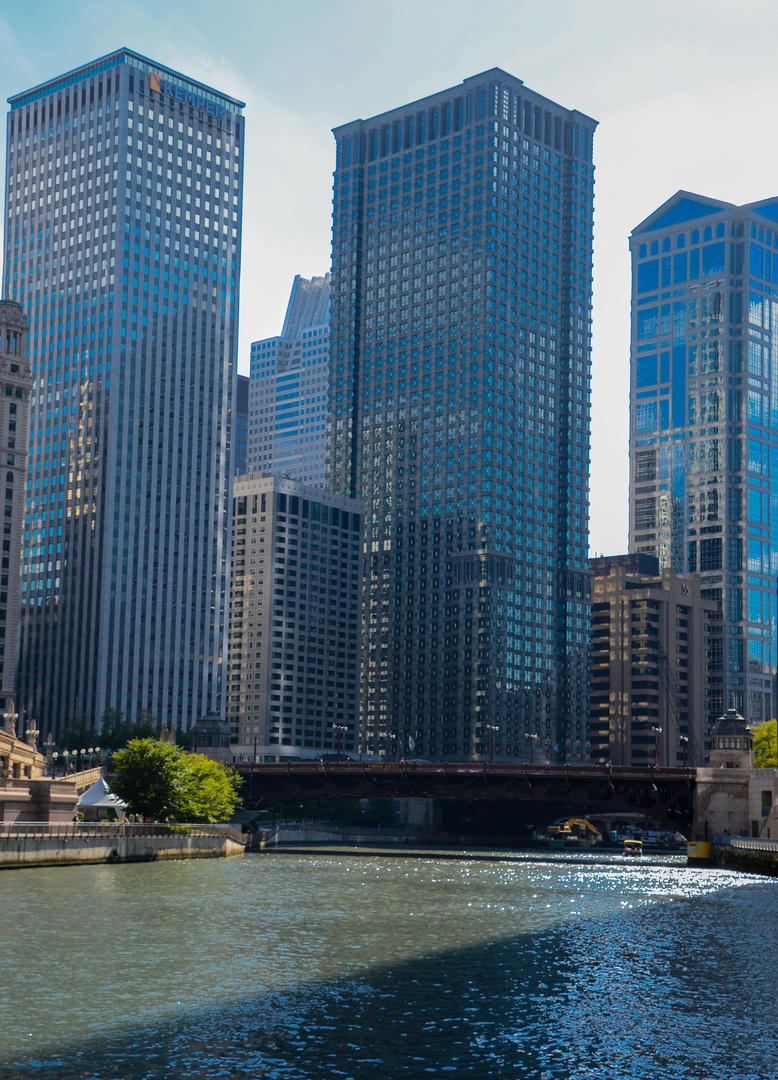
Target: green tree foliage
[
  {"x": 210, "y": 791},
  {"x": 115, "y": 731},
  {"x": 161, "y": 781},
  {"x": 766, "y": 744},
  {"x": 77, "y": 735}
]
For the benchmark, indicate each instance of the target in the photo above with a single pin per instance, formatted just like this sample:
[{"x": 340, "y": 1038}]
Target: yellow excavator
[{"x": 573, "y": 832}]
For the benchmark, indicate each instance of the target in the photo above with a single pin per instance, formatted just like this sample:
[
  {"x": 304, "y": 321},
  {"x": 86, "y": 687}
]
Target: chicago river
[{"x": 377, "y": 965}]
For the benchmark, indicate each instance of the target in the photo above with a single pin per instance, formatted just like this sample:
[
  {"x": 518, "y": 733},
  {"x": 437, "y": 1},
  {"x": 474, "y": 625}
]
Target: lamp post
[
  {"x": 31, "y": 735},
  {"x": 97, "y": 755},
  {"x": 532, "y": 740},
  {"x": 657, "y": 732},
  {"x": 65, "y": 756},
  {"x": 54, "y": 760},
  {"x": 491, "y": 728},
  {"x": 684, "y": 741},
  {"x": 389, "y": 738},
  {"x": 340, "y": 728},
  {"x": 10, "y": 719}
]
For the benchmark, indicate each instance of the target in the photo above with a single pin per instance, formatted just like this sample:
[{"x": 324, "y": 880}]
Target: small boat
[{"x": 633, "y": 848}]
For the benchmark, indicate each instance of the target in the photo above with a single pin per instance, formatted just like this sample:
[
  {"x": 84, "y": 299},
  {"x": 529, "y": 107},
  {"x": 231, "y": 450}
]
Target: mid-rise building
[
  {"x": 649, "y": 664},
  {"x": 122, "y": 246},
  {"x": 15, "y": 387},
  {"x": 704, "y": 425},
  {"x": 460, "y": 383},
  {"x": 289, "y": 386},
  {"x": 296, "y": 619}
]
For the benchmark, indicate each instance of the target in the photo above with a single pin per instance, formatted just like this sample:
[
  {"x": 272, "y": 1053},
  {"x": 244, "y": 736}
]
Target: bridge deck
[{"x": 667, "y": 794}]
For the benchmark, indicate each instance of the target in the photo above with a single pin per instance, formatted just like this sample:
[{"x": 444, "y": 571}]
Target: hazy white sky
[{"x": 684, "y": 92}]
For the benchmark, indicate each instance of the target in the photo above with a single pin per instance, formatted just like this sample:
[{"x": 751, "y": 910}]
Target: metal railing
[
  {"x": 746, "y": 843},
  {"x": 86, "y": 830}
]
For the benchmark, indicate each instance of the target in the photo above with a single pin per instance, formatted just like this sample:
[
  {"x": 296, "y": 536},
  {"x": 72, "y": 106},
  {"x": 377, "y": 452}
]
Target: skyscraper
[
  {"x": 649, "y": 664},
  {"x": 460, "y": 374},
  {"x": 704, "y": 424},
  {"x": 240, "y": 426},
  {"x": 122, "y": 245},
  {"x": 288, "y": 393},
  {"x": 295, "y": 619}
]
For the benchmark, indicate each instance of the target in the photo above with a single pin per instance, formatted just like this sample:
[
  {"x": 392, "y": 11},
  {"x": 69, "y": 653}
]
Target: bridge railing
[
  {"x": 84, "y": 830},
  {"x": 746, "y": 843},
  {"x": 506, "y": 768}
]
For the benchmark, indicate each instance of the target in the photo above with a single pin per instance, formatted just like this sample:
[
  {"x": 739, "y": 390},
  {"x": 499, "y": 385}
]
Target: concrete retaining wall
[{"x": 16, "y": 851}]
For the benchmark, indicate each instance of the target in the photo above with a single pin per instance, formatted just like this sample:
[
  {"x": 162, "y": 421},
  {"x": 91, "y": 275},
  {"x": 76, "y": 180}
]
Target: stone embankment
[
  {"x": 49, "y": 844},
  {"x": 295, "y": 835},
  {"x": 752, "y": 856}
]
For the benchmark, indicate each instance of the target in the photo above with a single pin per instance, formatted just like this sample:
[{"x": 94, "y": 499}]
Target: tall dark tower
[{"x": 460, "y": 376}]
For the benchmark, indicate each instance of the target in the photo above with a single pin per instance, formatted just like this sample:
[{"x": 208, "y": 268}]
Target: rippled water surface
[{"x": 374, "y": 966}]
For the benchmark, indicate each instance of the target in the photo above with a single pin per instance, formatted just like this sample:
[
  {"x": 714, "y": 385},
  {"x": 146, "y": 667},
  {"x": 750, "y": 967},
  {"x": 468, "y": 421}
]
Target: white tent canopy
[{"x": 100, "y": 797}]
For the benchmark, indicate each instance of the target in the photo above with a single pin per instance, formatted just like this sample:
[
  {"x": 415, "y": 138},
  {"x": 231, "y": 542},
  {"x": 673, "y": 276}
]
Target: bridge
[{"x": 667, "y": 795}]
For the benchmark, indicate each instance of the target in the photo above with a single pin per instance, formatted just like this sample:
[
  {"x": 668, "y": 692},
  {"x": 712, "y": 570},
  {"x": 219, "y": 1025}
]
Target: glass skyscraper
[
  {"x": 704, "y": 424},
  {"x": 288, "y": 392},
  {"x": 460, "y": 382},
  {"x": 122, "y": 245}
]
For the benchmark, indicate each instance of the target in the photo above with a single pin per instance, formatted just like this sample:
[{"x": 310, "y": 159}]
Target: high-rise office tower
[
  {"x": 649, "y": 664},
  {"x": 460, "y": 374},
  {"x": 122, "y": 245},
  {"x": 704, "y": 424},
  {"x": 288, "y": 394},
  {"x": 240, "y": 426},
  {"x": 295, "y": 619}
]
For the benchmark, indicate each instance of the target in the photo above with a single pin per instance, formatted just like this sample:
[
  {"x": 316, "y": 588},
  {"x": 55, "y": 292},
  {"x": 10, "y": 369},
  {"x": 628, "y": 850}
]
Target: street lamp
[
  {"x": 491, "y": 728},
  {"x": 389, "y": 738},
  {"x": 65, "y": 756},
  {"x": 532, "y": 740},
  {"x": 657, "y": 732},
  {"x": 54, "y": 760},
  {"x": 340, "y": 728},
  {"x": 684, "y": 741},
  {"x": 10, "y": 719},
  {"x": 31, "y": 734}
]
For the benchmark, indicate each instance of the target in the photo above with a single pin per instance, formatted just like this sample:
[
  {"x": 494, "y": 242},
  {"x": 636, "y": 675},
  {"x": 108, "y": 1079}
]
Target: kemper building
[
  {"x": 122, "y": 246},
  {"x": 295, "y": 620},
  {"x": 460, "y": 382},
  {"x": 704, "y": 425}
]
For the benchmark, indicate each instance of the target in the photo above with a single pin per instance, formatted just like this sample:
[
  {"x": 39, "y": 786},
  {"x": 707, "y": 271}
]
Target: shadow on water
[{"x": 682, "y": 990}]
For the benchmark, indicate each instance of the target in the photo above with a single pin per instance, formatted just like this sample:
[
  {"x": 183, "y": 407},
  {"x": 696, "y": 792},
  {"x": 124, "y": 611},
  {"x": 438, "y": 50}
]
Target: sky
[{"x": 684, "y": 92}]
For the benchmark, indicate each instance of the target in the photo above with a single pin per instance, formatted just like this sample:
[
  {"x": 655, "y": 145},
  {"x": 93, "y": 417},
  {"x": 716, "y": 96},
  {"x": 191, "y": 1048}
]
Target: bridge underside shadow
[{"x": 528, "y": 795}]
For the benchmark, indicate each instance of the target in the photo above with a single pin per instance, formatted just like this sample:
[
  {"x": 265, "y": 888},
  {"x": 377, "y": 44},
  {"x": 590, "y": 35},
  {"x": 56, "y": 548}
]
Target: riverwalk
[{"x": 46, "y": 843}]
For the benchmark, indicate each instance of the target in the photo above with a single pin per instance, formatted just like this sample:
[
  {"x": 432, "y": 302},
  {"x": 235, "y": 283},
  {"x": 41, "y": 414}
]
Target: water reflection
[{"x": 331, "y": 966}]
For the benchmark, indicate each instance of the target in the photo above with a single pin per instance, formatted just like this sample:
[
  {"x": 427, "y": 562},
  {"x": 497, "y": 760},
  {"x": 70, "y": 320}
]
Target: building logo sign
[{"x": 158, "y": 85}]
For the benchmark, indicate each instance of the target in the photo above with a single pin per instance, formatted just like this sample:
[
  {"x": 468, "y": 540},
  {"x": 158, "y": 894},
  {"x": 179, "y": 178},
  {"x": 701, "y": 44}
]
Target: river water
[{"x": 375, "y": 967}]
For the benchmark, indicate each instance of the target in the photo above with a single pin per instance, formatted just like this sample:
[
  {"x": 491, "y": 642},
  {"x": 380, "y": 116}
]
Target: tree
[
  {"x": 77, "y": 734},
  {"x": 161, "y": 781},
  {"x": 766, "y": 744},
  {"x": 211, "y": 791},
  {"x": 117, "y": 732}
]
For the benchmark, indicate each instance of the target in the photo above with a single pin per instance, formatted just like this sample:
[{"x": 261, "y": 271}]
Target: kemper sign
[{"x": 162, "y": 86}]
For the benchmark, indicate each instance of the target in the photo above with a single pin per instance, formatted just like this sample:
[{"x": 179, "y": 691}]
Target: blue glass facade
[
  {"x": 289, "y": 386},
  {"x": 704, "y": 424},
  {"x": 460, "y": 374},
  {"x": 122, "y": 245}
]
